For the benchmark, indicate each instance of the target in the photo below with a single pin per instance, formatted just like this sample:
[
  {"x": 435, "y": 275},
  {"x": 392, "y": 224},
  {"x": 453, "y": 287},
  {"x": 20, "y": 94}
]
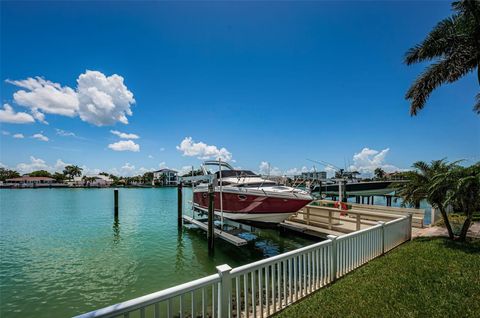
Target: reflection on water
[
  {"x": 62, "y": 252},
  {"x": 116, "y": 231}
]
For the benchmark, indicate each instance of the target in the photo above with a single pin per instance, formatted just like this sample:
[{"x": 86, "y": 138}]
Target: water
[{"x": 62, "y": 254}]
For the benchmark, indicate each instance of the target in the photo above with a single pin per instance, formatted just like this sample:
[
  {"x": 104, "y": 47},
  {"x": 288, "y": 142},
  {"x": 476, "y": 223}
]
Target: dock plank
[{"x": 308, "y": 229}]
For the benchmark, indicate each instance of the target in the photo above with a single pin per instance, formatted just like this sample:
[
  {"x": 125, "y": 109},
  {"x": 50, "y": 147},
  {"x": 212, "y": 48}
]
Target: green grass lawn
[{"x": 428, "y": 277}]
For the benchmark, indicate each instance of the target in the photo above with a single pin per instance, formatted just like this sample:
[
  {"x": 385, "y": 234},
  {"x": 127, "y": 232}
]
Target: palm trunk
[
  {"x": 465, "y": 227},
  {"x": 447, "y": 222}
]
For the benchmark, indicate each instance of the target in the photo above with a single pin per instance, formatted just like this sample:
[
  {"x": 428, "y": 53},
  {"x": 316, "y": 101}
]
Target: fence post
[
  {"x": 383, "y": 236},
  {"x": 308, "y": 215},
  {"x": 224, "y": 291},
  {"x": 333, "y": 269}
]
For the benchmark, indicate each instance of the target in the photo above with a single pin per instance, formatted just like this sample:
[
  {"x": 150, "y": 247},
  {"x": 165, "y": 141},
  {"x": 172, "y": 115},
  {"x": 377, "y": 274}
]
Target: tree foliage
[
  {"x": 379, "y": 174},
  {"x": 40, "y": 173},
  {"x": 72, "y": 171},
  {"x": 444, "y": 184},
  {"x": 454, "y": 47},
  {"x": 8, "y": 174}
]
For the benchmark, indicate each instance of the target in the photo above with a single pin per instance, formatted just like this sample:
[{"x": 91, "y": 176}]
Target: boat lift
[{"x": 212, "y": 232}]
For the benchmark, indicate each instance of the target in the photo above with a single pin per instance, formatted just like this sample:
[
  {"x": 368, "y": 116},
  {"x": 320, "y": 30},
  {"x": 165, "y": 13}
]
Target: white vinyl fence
[{"x": 262, "y": 288}]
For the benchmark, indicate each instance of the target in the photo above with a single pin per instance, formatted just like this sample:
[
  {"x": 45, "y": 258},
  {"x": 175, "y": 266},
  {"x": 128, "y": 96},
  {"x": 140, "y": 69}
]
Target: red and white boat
[{"x": 242, "y": 195}]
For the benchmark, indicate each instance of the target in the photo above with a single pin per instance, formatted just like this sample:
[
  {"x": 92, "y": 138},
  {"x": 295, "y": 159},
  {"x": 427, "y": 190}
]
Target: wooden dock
[
  {"x": 230, "y": 238},
  {"x": 308, "y": 229},
  {"x": 320, "y": 221}
]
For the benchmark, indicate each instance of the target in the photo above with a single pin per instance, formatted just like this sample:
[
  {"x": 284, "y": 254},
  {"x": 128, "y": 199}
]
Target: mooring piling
[
  {"x": 180, "y": 204},
  {"x": 115, "y": 202},
  {"x": 211, "y": 202}
]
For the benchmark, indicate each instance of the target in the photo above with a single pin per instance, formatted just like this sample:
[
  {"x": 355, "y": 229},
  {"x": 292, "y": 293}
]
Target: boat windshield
[
  {"x": 235, "y": 173},
  {"x": 211, "y": 167}
]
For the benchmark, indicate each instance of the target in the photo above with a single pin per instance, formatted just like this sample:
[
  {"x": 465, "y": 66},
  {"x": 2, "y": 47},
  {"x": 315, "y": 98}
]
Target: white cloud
[
  {"x": 330, "y": 171},
  {"x": 124, "y": 145},
  {"x": 98, "y": 99},
  {"x": 8, "y": 115},
  {"x": 40, "y": 137},
  {"x": 129, "y": 170},
  {"x": 86, "y": 171},
  {"x": 184, "y": 170},
  {"x": 39, "y": 116},
  {"x": 43, "y": 96},
  {"x": 144, "y": 170},
  {"x": 150, "y": 157},
  {"x": 162, "y": 149},
  {"x": 103, "y": 100},
  {"x": 367, "y": 160},
  {"x": 202, "y": 150},
  {"x": 5, "y": 133},
  {"x": 33, "y": 165},
  {"x": 65, "y": 133},
  {"x": 297, "y": 171},
  {"x": 60, "y": 165},
  {"x": 18, "y": 136},
  {"x": 162, "y": 165},
  {"x": 3, "y": 166},
  {"x": 124, "y": 135},
  {"x": 128, "y": 167},
  {"x": 266, "y": 169}
]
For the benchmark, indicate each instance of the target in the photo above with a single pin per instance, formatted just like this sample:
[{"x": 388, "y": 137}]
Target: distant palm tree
[
  {"x": 72, "y": 171},
  {"x": 454, "y": 44},
  {"x": 422, "y": 184},
  {"x": 379, "y": 173}
]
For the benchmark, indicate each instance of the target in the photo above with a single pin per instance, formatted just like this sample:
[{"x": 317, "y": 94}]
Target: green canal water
[{"x": 62, "y": 254}]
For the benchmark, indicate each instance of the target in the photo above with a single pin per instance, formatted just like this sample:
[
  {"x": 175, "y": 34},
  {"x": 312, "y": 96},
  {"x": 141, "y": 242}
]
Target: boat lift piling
[{"x": 211, "y": 206}]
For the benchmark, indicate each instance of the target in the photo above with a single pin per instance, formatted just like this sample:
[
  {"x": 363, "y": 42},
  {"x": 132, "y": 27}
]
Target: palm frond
[
  {"x": 421, "y": 166},
  {"x": 447, "y": 70},
  {"x": 439, "y": 42},
  {"x": 469, "y": 7}
]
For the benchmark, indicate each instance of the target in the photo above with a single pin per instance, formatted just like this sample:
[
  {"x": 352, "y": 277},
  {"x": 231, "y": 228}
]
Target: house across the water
[
  {"x": 32, "y": 182},
  {"x": 166, "y": 177},
  {"x": 98, "y": 181}
]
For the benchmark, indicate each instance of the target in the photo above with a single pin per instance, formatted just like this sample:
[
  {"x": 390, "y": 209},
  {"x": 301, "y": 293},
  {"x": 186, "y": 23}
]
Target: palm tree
[
  {"x": 465, "y": 193},
  {"x": 422, "y": 184},
  {"x": 454, "y": 44},
  {"x": 72, "y": 171},
  {"x": 379, "y": 173}
]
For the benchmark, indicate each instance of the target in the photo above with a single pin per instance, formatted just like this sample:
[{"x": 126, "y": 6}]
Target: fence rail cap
[{"x": 143, "y": 301}]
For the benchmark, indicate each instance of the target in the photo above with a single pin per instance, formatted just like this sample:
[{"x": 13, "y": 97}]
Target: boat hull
[
  {"x": 252, "y": 207},
  {"x": 272, "y": 218}
]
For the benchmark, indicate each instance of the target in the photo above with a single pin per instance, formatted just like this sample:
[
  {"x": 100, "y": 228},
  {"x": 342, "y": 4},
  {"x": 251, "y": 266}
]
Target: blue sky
[{"x": 275, "y": 82}]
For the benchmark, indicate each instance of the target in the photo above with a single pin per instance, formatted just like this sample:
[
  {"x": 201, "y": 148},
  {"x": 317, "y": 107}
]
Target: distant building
[
  {"x": 395, "y": 176},
  {"x": 101, "y": 181},
  {"x": 26, "y": 181},
  {"x": 166, "y": 177},
  {"x": 314, "y": 175},
  {"x": 93, "y": 181}
]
